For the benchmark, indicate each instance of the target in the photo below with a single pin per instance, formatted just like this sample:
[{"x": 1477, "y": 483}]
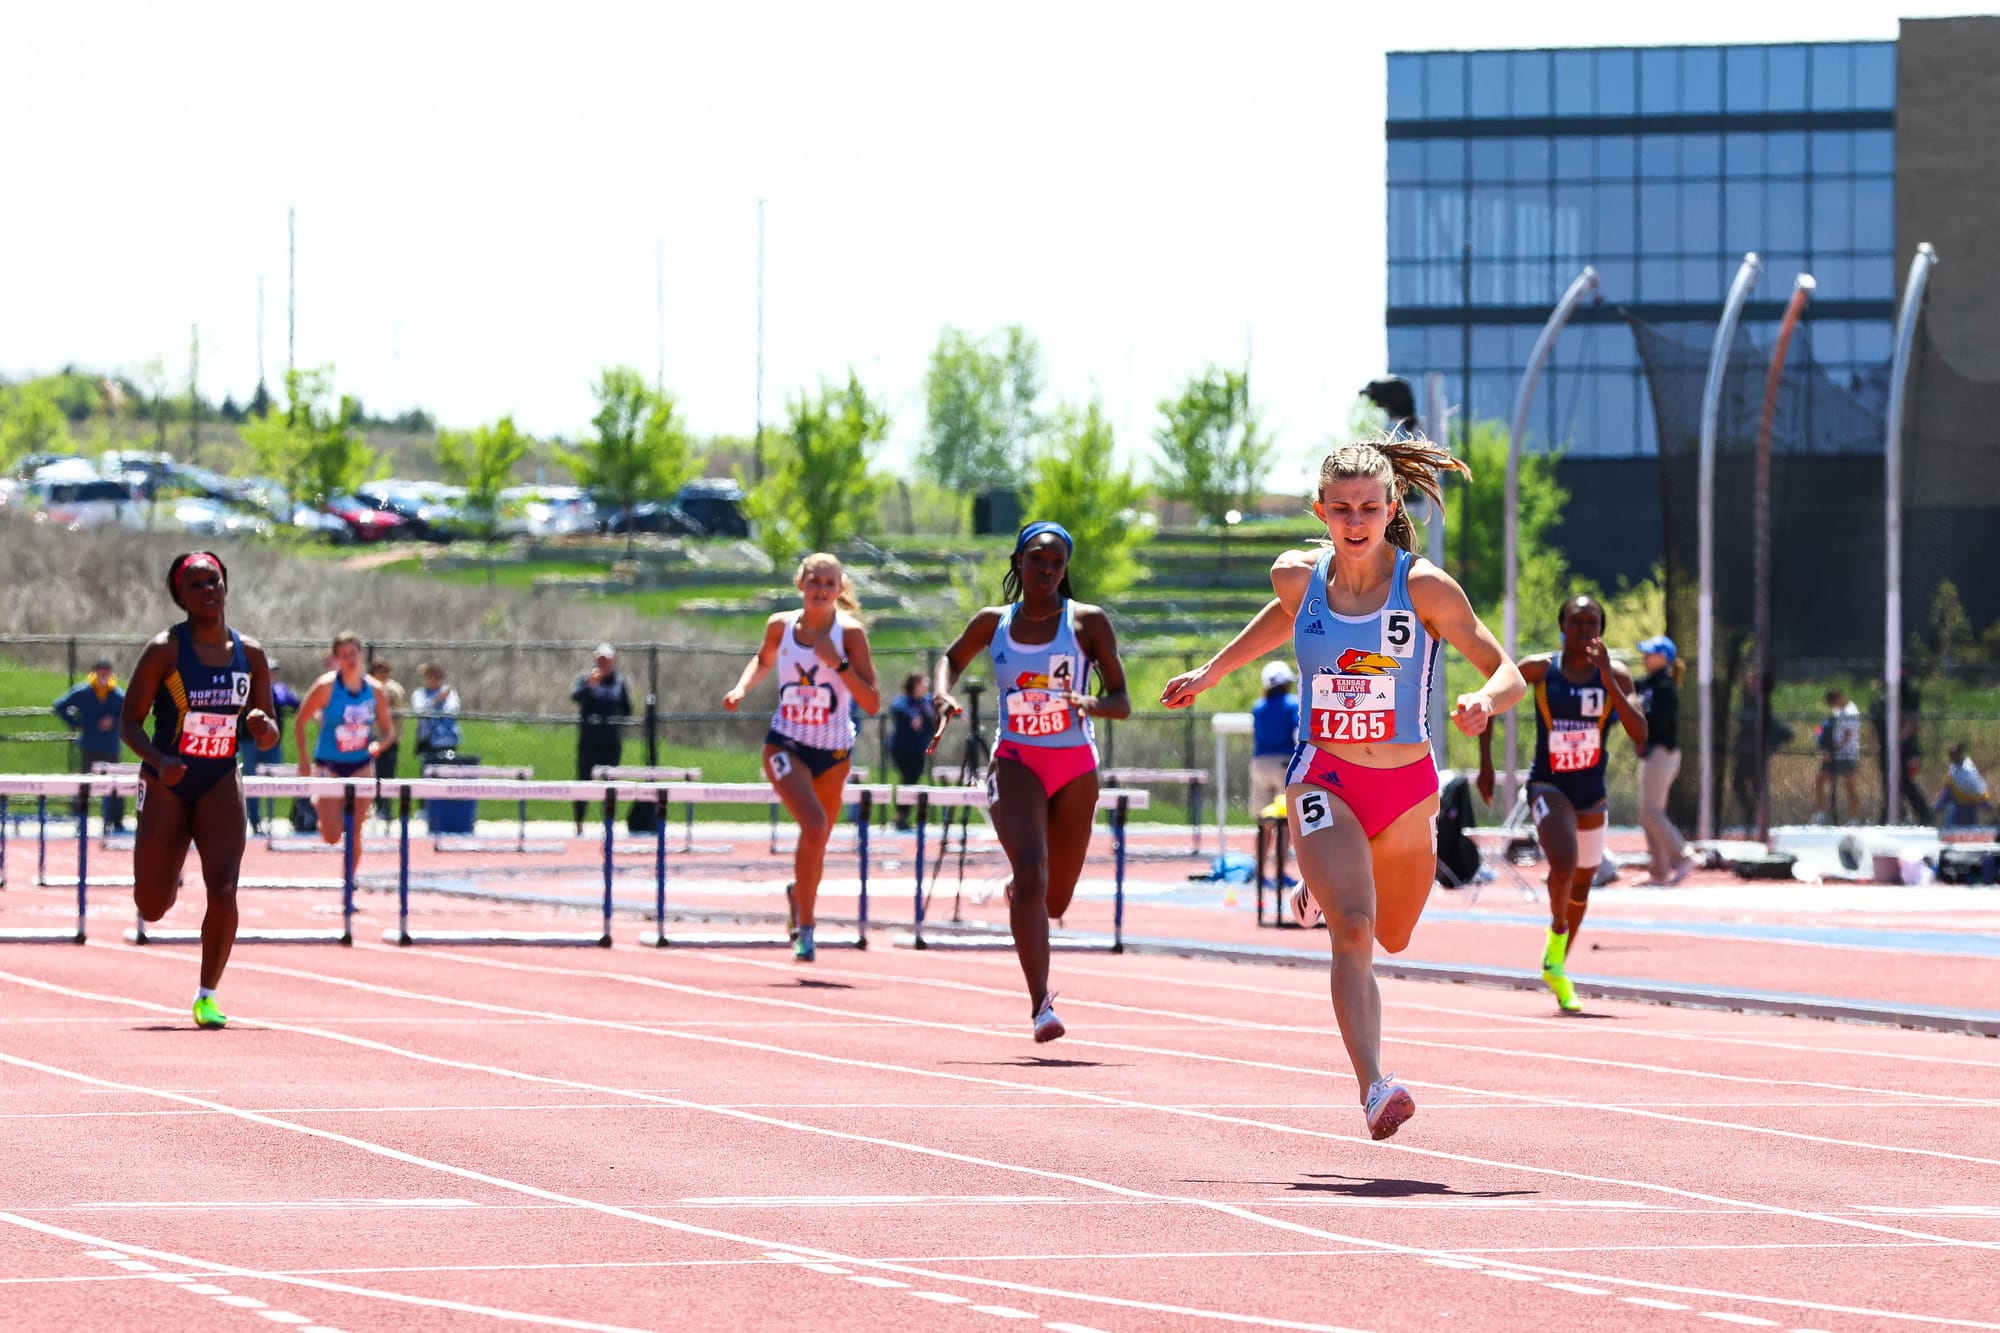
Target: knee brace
[{"x": 1589, "y": 848}]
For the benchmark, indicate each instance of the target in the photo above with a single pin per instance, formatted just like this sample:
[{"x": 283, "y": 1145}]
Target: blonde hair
[
  {"x": 1403, "y": 464},
  {"x": 347, "y": 637},
  {"x": 848, "y": 600}
]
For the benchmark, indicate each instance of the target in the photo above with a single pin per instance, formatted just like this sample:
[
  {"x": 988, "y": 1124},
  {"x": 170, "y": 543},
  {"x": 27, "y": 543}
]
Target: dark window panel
[
  {"x": 1701, "y": 217},
  {"x": 1528, "y": 159},
  {"x": 1571, "y": 222},
  {"x": 1617, "y": 157},
  {"x": 1701, "y": 80},
  {"x": 1574, "y": 96},
  {"x": 1406, "y": 350},
  {"x": 1871, "y": 342},
  {"x": 1531, "y": 83},
  {"x": 1875, "y": 152},
  {"x": 1618, "y": 279},
  {"x": 1405, "y": 288},
  {"x": 1659, "y": 279},
  {"x": 1874, "y": 213},
  {"x": 1835, "y": 277},
  {"x": 1443, "y": 347},
  {"x": 1701, "y": 155},
  {"x": 1875, "y": 76},
  {"x": 1659, "y": 81},
  {"x": 1743, "y": 78},
  {"x": 1786, "y": 89},
  {"x": 1832, "y": 152},
  {"x": 1489, "y": 347},
  {"x": 1487, "y": 84},
  {"x": 1444, "y": 85},
  {"x": 1785, "y": 153},
  {"x": 1743, "y": 225},
  {"x": 1832, "y": 215},
  {"x": 1659, "y": 221},
  {"x": 1875, "y": 278},
  {"x": 1832, "y": 340},
  {"x": 1493, "y": 393},
  {"x": 1576, "y": 159},
  {"x": 1780, "y": 267},
  {"x": 1659, "y": 156},
  {"x": 1444, "y": 282},
  {"x": 1489, "y": 159},
  {"x": 1743, "y": 154},
  {"x": 1612, "y": 223},
  {"x": 1708, "y": 279},
  {"x": 1617, "y": 82},
  {"x": 1406, "y": 212},
  {"x": 1406, "y": 87},
  {"x": 1444, "y": 159},
  {"x": 1406, "y": 161},
  {"x": 1832, "y": 78}
]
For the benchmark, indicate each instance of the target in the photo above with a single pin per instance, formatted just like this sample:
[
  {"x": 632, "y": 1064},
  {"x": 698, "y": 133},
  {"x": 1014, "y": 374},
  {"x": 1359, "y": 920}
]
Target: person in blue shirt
[
  {"x": 91, "y": 710},
  {"x": 1274, "y": 726},
  {"x": 912, "y": 719},
  {"x": 285, "y": 700}
]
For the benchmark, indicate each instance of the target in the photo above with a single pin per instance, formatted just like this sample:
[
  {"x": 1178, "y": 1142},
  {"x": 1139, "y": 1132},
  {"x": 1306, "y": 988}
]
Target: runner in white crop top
[{"x": 820, "y": 653}]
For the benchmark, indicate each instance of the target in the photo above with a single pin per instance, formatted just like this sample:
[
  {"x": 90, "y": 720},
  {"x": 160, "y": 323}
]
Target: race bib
[
  {"x": 1037, "y": 713},
  {"x": 209, "y": 735},
  {"x": 1353, "y": 708},
  {"x": 1574, "y": 746},
  {"x": 806, "y": 705}
]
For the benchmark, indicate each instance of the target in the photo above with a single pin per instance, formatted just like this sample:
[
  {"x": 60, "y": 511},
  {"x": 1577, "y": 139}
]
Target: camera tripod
[{"x": 974, "y": 760}]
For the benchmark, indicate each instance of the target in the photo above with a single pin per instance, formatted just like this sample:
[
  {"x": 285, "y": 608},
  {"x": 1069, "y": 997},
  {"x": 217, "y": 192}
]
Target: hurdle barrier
[
  {"x": 643, "y": 773},
  {"x": 856, "y": 774},
  {"x": 406, "y": 791},
  {"x": 1194, "y": 779},
  {"x": 451, "y": 842},
  {"x": 82, "y": 787}
]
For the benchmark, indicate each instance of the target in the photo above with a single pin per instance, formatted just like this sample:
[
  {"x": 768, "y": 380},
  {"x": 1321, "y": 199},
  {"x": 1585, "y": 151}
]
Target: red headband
[{"x": 200, "y": 560}]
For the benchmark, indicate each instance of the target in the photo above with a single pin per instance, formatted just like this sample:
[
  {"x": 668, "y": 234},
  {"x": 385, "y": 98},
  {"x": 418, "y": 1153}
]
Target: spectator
[
  {"x": 603, "y": 704},
  {"x": 1274, "y": 726},
  {"x": 284, "y": 699},
  {"x": 1839, "y": 738},
  {"x": 91, "y": 710},
  {"x": 1912, "y": 792},
  {"x": 912, "y": 720},
  {"x": 399, "y": 706},
  {"x": 1964, "y": 798},
  {"x": 1660, "y": 759},
  {"x": 436, "y": 706}
]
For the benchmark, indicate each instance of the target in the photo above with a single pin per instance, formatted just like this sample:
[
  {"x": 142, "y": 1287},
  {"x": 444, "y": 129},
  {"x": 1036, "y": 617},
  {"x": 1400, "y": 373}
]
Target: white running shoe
[
  {"x": 1047, "y": 1026},
  {"x": 1305, "y": 907},
  {"x": 1389, "y": 1105}
]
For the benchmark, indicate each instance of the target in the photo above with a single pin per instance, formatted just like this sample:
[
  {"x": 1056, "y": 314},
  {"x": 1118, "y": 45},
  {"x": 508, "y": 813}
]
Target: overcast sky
[{"x": 481, "y": 188}]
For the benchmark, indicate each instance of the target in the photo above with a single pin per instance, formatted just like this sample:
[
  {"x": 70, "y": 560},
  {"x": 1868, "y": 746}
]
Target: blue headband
[{"x": 1034, "y": 530}]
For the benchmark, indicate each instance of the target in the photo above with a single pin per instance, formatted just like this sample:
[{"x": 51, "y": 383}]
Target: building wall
[{"x": 1948, "y": 180}]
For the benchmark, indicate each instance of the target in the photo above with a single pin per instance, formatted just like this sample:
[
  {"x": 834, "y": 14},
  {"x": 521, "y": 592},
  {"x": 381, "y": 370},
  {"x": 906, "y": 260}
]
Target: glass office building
[{"x": 1508, "y": 171}]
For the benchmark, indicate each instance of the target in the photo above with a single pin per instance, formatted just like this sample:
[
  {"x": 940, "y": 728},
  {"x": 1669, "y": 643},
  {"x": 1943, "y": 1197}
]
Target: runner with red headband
[
  {"x": 1044, "y": 776},
  {"x": 204, "y": 685}
]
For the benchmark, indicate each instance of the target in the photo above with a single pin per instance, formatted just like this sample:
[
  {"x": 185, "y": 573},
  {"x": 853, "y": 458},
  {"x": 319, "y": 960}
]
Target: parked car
[
  {"x": 319, "y": 523},
  {"x": 78, "y": 504},
  {"x": 545, "y": 511},
  {"x": 209, "y": 518},
  {"x": 366, "y": 522},
  {"x": 430, "y": 520},
  {"x": 667, "y": 519},
  {"x": 716, "y": 504}
]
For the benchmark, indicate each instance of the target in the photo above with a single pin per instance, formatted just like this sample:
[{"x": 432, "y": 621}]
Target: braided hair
[{"x": 1403, "y": 463}]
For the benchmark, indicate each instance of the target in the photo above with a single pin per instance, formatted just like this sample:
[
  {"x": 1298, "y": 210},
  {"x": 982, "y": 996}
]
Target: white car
[
  {"x": 545, "y": 511},
  {"x": 80, "y": 505}
]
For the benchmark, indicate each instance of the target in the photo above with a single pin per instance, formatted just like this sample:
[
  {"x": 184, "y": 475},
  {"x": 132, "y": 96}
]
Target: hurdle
[
  {"x": 855, "y": 774},
  {"x": 309, "y": 788},
  {"x": 1120, "y": 801},
  {"x": 42, "y": 788},
  {"x": 104, "y": 840},
  {"x": 1195, "y": 781},
  {"x": 448, "y": 842},
  {"x": 643, "y": 774}
]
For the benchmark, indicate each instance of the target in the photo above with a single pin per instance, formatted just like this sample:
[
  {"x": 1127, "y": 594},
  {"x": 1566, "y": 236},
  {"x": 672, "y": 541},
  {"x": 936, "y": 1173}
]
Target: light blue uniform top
[
  {"x": 1365, "y": 678},
  {"x": 347, "y": 725},
  {"x": 1034, "y": 679}
]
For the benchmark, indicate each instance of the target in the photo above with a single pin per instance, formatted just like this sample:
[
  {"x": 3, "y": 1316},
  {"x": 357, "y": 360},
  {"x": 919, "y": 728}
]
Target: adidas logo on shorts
[{"x": 1316, "y": 627}]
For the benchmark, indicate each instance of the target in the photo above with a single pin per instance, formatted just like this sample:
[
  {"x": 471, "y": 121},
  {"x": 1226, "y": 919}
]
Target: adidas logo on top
[
  {"x": 999, "y": 659},
  {"x": 1316, "y": 627}
]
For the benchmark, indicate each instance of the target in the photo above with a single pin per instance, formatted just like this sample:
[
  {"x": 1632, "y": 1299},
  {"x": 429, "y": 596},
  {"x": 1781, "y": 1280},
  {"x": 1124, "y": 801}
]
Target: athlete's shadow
[
  {"x": 1383, "y": 1187},
  {"x": 807, "y": 983},
  {"x": 1035, "y": 1062}
]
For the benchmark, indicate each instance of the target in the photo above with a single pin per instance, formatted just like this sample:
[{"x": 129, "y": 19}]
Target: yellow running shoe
[
  {"x": 1556, "y": 976},
  {"x": 207, "y": 1015}
]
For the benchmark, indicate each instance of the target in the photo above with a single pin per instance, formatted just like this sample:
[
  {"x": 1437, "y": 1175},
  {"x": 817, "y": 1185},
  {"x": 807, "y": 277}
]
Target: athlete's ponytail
[
  {"x": 848, "y": 599},
  {"x": 1406, "y": 464}
]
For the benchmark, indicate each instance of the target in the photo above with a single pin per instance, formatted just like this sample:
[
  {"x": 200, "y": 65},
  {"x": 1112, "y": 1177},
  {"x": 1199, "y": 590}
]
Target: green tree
[
  {"x": 818, "y": 492},
  {"x": 31, "y": 422},
  {"x": 1479, "y": 528},
  {"x": 315, "y": 448},
  {"x": 1214, "y": 453},
  {"x": 640, "y": 452},
  {"x": 1075, "y": 481},
  {"x": 482, "y": 460},
  {"x": 980, "y": 396}
]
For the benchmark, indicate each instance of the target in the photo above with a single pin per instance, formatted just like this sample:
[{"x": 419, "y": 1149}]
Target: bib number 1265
[{"x": 1340, "y": 724}]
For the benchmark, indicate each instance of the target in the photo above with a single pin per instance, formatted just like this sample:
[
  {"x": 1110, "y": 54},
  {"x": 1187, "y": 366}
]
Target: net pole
[
  {"x": 1760, "y": 577},
  {"x": 1711, "y": 409},
  {"x": 1517, "y": 427},
  {"x": 1892, "y": 519},
  {"x": 1434, "y": 427}
]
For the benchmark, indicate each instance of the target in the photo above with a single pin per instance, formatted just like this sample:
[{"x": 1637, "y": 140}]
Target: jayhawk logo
[
  {"x": 1353, "y": 678},
  {"x": 1031, "y": 680},
  {"x": 1360, "y": 662}
]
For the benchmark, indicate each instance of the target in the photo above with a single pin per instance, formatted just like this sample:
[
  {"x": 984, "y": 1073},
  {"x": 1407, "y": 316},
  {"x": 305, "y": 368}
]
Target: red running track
[{"x": 390, "y": 1139}]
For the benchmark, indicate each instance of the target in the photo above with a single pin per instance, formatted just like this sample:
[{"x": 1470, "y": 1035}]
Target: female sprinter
[
  {"x": 1576, "y": 693},
  {"x": 1044, "y": 776},
  {"x": 1366, "y": 618},
  {"x": 820, "y": 653},
  {"x": 205, "y": 685},
  {"x": 355, "y": 726}
]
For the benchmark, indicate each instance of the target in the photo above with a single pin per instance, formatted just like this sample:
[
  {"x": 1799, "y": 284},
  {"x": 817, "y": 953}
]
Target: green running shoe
[
  {"x": 208, "y": 1015},
  {"x": 1556, "y": 976},
  {"x": 803, "y": 949}
]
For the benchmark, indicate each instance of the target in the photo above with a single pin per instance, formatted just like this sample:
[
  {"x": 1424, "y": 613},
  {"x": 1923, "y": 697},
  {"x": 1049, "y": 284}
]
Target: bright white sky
[{"x": 1146, "y": 186}]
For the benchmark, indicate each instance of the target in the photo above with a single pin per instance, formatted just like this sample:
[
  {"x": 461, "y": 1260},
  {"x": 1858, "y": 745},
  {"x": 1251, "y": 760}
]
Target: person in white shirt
[
  {"x": 1964, "y": 799},
  {"x": 1839, "y": 757},
  {"x": 436, "y": 706}
]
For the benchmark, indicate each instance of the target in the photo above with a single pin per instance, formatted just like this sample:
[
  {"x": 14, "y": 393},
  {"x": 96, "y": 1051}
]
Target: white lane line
[
  {"x": 207, "y": 1289},
  {"x": 500, "y": 1182},
  {"x": 245, "y": 1302},
  {"x": 285, "y": 1317},
  {"x": 170, "y": 1277},
  {"x": 835, "y": 1269},
  {"x": 106, "y": 1254},
  {"x": 135, "y": 1266},
  {"x": 1579, "y": 1289},
  {"x": 1451, "y": 1263},
  {"x": 1108, "y": 1187},
  {"x": 1653, "y": 1304},
  {"x": 1072, "y": 1328},
  {"x": 1003, "y": 1311},
  {"x": 1749, "y": 1319},
  {"x": 870, "y": 1280},
  {"x": 1537, "y": 1099}
]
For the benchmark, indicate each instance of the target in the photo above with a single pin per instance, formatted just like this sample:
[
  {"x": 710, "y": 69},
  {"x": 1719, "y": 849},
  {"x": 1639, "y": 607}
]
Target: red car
[{"x": 367, "y": 522}]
